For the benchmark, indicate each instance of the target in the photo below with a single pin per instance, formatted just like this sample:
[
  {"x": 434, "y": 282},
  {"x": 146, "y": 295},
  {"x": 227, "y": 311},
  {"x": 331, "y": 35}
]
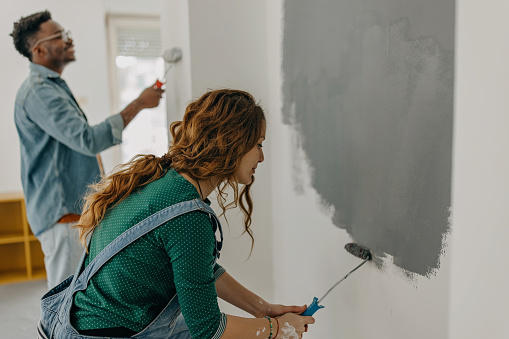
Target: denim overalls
[{"x": 56, "y": 304}]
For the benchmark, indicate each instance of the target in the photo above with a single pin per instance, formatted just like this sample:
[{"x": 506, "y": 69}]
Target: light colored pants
[{"x": 62, "y": 252}]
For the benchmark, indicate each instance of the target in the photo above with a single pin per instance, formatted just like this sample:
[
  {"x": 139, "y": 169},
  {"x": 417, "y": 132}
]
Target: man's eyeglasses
[{"x": 65, "y": 36}]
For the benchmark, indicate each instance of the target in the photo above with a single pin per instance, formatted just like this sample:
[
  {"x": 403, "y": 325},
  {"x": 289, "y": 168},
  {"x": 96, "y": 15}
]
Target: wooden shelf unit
[{"x": 21, "y": 257}]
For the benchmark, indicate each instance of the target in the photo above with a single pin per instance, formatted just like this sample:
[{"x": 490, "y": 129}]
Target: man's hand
[{"x": 150, "y": 97}]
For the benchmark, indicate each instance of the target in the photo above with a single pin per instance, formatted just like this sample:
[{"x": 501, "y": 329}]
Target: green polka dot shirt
[{"x": 133, "y": 287}]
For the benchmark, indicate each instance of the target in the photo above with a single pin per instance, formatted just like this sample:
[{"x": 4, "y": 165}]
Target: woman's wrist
[
  {"x": 277, "y": 329},
  {"x": 130, "y": 111},
  {"x": 271, "y": 327},
  {"x": 260, "y": 308},
  {"x": 274, "y": 327}
]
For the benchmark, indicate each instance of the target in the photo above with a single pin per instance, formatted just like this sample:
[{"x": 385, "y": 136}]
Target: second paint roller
[{"x": 170, "y": 56}]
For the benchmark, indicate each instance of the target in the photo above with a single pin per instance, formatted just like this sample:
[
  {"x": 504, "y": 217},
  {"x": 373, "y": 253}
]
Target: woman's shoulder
[
  {"x": 193, "y": 229},
  {"x": 166, "y": 191}
]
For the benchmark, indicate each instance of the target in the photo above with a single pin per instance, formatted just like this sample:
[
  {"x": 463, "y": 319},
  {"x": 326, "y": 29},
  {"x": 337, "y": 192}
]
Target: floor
[{"x": 20, "y": 309}]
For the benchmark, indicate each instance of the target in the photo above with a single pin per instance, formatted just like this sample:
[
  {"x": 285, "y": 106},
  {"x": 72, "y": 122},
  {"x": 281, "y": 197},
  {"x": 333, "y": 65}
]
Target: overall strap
[{"x": 137, "y": 231}]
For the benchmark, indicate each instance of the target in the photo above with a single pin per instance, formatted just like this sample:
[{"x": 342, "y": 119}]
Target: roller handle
[
  {"x": 159, "y": 84},
  {"x": 312, "y": 308}
]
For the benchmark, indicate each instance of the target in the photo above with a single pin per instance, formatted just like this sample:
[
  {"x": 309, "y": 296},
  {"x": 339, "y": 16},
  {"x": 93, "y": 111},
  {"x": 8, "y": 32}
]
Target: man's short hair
[{"x": 25, "y": 30}]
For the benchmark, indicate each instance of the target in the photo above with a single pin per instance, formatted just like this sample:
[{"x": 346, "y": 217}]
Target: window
[{"x": 136, "y": 62}]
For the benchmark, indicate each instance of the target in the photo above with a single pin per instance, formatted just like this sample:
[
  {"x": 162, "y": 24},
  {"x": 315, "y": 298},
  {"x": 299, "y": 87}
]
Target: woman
[{"x": 166, "y": 261}]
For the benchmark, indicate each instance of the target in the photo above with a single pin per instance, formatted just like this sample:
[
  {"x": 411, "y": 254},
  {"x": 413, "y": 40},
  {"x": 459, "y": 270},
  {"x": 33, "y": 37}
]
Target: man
[{"x": 58, "y": 146}]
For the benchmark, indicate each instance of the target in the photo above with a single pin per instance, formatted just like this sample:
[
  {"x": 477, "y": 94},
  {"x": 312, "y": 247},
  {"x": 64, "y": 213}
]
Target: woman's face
[{"x": 249, "y": 162}]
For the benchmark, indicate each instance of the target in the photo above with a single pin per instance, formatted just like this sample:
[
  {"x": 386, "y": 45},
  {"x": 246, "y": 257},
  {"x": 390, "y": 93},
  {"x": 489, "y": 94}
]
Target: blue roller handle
[{"x": 312, "y": 308}]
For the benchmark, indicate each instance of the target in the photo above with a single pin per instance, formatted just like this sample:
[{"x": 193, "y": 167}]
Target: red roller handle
[{"x": 159, "y": 84}]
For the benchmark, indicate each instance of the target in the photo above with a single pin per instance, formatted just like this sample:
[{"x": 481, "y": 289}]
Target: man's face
[{"x": 58, "y": 51}]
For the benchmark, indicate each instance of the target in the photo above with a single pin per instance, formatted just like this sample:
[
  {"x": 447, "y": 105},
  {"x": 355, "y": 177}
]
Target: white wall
[{"x": 479, "y": 269}]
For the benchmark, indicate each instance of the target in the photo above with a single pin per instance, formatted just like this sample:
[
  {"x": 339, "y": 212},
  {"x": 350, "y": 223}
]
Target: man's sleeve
[{"x": 58, "y": 115}]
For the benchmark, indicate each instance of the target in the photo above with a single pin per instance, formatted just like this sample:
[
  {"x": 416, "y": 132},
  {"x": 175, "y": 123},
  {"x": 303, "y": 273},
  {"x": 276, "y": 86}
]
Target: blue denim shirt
[{"x": 58, "y": 147}]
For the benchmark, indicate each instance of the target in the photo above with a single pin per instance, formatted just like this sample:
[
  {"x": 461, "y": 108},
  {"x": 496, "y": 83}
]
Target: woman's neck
[{"x": 203, "y": 187}]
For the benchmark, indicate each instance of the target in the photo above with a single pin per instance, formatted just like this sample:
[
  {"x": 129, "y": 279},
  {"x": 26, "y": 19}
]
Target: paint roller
[
  {"x": 170, "y": 56},
  {"x": 358, "y": 251}
]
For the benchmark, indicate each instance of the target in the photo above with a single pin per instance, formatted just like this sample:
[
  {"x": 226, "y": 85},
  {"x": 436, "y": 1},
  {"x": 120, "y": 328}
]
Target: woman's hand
[
  {"x": 291, "y": 323},
  {"x": 292, "y": 326},
  {"x": 273, "y": 310}
]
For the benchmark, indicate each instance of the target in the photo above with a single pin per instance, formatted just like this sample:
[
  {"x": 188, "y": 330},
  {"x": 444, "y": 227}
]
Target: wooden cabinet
[{"x": 21, "y": 257}]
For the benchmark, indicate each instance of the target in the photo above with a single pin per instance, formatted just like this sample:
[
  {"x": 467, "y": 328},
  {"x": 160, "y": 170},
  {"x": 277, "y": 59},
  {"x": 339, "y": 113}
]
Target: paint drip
[{"x": 289, "y": 332}]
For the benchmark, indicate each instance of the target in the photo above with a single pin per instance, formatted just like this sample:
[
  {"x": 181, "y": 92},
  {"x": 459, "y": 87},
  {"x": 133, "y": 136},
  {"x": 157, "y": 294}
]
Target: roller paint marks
[
  {"x": 374, "y": 115},
  {"x": 288, "y": 331}
]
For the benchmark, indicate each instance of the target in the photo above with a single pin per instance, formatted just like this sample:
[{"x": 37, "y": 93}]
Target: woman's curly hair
[{"x": 217, "y": 130}]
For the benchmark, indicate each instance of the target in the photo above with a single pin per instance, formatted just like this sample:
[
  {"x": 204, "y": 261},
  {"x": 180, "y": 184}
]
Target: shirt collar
[{"x": 43, "y": 70}]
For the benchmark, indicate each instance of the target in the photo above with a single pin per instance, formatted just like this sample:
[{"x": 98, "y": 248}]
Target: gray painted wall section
[{"x": 369, "y": 87}]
